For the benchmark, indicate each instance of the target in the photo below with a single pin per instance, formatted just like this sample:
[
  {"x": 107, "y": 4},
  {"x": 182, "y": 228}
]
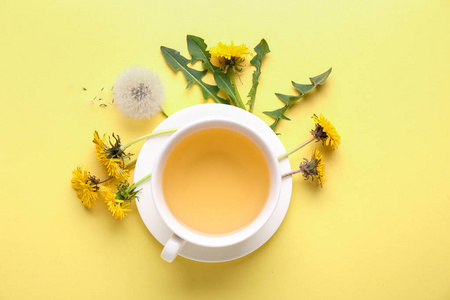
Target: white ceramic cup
[{"x": 182, "y": 233}]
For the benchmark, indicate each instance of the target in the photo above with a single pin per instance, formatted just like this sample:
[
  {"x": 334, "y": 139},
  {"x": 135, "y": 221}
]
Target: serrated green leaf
[
  {"x": 252, "y": 92},
  {"x": 274, "y": 124},
  {"x": 261, "y": 50},
  {"x": 278, "y": 114},
  {"x": 320, "y": 79},
  {"x": 224, "y": 83},
  {"x": 178, "y": 62},
  {"x": 288, "y": 99},
  {"x": 197, "y": 49},
  {"x": 303, "y": 89},
  {"x": 316, "y": 80}
]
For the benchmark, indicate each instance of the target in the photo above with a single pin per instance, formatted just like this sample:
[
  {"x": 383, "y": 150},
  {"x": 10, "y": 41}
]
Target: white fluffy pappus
[{"x": 139, "y": 93}]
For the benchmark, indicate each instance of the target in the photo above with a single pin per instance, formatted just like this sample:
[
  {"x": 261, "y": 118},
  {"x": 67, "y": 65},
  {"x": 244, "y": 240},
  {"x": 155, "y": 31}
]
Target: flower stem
[
  {"x": 139, "y": 182},
  {"x": 131, "y": 164},
  {"x": 296, "y": 148},
  {"x": 291, "y": 173},
  {"x": 163, "y": 112},
  {"x": 239, "y": 102},
  {"x": 105, "y": 180},
  {"x": 123, "y": 147}
]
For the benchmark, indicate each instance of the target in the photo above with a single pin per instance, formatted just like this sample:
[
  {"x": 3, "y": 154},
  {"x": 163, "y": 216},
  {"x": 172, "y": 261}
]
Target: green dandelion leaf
[
  {"x": 303, "y": 89},
  {"x": 178, "y": 62},
  {"x": 197, "y": 49},
  {"x": 261, "y": 50}
]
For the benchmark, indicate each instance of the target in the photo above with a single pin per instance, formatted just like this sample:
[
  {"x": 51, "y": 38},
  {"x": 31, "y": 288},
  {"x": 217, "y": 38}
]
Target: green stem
[
  {"x": 131, "y": 164},
  {"x": 105, "y": 180},
  {"x": 291, "y": 173},
  {"x": 296, "y": 148},
  {"x": 239, "y": 102},
  {"x": 123, "y": 147},
  {"x": 139, "y": 182},
  {"x": 163, "y": 112}
]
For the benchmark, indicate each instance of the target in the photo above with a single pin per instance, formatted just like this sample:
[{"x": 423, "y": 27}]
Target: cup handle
[{"x": 172, "y": 248}]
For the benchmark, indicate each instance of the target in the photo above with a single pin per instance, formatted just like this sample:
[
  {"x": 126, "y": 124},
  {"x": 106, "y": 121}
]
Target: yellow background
[{"x": 379, "y": 228}]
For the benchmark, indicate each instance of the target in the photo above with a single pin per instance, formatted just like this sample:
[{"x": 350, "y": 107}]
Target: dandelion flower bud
[{"x": 139, "y": 93}]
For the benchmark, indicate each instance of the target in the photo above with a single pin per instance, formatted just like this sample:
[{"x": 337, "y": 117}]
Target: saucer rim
[
  {"x": 222, "y": 240},
  {"x": 159, "y": 229}
]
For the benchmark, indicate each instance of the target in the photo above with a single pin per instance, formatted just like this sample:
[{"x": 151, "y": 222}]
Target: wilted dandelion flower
[
  {"x": 86, "y": 186},
  {"x": 139, "y": 93},
  {"x": 325, "y": 132},
  {"x": 314, "y": 168},
  {"x": 111, "y": 157}
]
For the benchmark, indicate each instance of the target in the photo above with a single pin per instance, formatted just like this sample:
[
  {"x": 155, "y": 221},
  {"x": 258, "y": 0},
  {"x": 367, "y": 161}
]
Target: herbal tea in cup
[
  {"x": 216, "y": 181},
  {"x": 215, "y": 184}
]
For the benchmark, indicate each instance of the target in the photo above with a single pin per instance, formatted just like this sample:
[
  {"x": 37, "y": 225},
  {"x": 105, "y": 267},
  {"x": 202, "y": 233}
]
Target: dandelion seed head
[{"x": 139, "y": 93}]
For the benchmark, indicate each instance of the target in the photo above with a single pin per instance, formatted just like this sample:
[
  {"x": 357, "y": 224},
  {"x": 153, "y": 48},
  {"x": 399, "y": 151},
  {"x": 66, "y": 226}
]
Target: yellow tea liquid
[{"x": 216, "y": 181}]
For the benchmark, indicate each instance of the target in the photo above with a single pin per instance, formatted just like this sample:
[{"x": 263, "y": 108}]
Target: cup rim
[{"x": 215, "y": 240}]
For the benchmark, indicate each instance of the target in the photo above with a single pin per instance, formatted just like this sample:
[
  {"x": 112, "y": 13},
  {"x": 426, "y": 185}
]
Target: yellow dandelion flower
[
  {"x": 117, "y": 207},
  {"x": 86, "y": 186},
  {"x": 230, "y": 57},
  {"x": 325, "y": 132},
  {"x": 320, "y": 174},
  {"x": 313, "y": 168},
  {"x": 111, "y": 157},
  {"x": 230, "y": 52}
]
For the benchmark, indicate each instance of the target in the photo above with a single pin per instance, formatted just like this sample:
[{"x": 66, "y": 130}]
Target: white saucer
[{"x": 150, "y": 150}]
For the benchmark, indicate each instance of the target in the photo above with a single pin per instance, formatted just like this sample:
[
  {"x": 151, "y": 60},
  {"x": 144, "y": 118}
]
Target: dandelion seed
[
  {"x": 84, "y": 89},
  {"x": 139, "y": 93}
]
